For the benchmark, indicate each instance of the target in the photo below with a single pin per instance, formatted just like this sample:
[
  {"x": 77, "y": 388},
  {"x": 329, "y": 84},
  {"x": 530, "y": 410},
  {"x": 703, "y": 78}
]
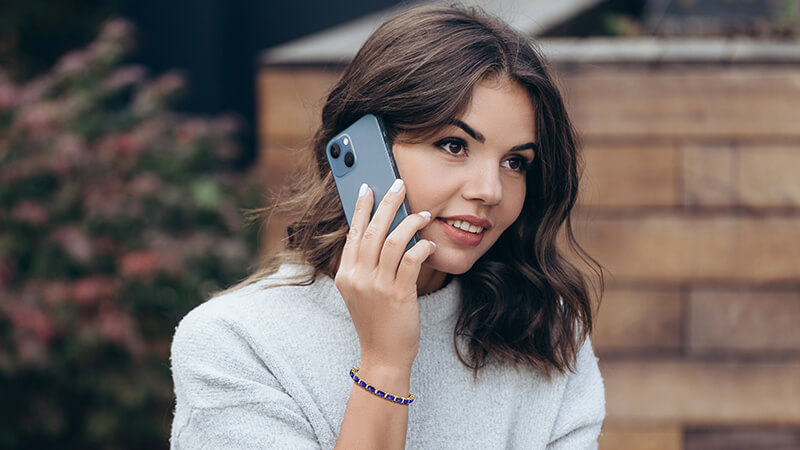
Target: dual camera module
[{"x": 336, "y": 151}]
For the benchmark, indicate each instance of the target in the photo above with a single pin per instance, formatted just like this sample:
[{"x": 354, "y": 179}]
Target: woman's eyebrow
[
  {"x": 468, "y": 129},
  {"x": 529, "y": 145},
  {"x": 480, "y": 138}
]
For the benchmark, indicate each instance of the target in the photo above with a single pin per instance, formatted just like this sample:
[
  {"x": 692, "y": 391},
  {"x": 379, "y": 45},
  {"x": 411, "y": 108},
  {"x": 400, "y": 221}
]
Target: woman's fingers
[
  {"x": 410, "y": 265},
  {"x": 358, "y": 224},
  {"x": 396, "y": 242},
  {"x": 375, "y": 233}
]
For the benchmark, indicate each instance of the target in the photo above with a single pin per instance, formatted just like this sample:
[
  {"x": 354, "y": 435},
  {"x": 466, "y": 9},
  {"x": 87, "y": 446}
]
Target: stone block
[
  {"x": 756, "y": 322},
  {"x": 702, "y": 392},
  {"x": 630, "y": 174},
  {"x": 769, "y": 175},
  {"x": 640, "y": 437},
  {"x": 742, "y": 437},
  {"x": 664, "y": 247},
  {"x": 709, "y": 174},
  {"x": 639, "y": 320},
  {"x": 708, "y": 102}
]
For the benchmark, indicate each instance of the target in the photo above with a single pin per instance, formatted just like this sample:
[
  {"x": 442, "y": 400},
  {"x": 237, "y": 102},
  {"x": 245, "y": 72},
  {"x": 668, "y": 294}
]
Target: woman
[{"x": 483, "y": 319}]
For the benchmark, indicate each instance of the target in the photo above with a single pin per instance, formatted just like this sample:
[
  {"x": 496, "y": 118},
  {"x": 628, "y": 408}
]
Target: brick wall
[{"x": 691, "y": 200}]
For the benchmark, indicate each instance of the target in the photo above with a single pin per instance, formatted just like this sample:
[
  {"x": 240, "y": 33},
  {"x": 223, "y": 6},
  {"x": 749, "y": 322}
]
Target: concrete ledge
[
  {"x": 654, "y": 50},
  {"x": 336, "y": 48}
]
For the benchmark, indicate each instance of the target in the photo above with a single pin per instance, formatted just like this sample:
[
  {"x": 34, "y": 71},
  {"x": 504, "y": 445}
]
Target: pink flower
[
  {"x": 146, "y": 184},
  {"x": 73, "y": 62},
  {"x": 70, "y": 151},
  {"x": 113, "y": 324},
  {"x": 36, "y": 89},
  {"x": 90, "y": 290},
  {"x": 30, "y": 212},
  {"x": 188, "y": 133},
  {"x": 127, "y": 143},
  {"x": 34, "y": 322},
  {"x": 75, "y": 242},
  {"x": 139, "y": 264},
  {"x": 37, "y": 120},
  {"x": 123, "y": 77},
  {"x": 8, "y": 97},
  {"x": 57, "y": 292}
]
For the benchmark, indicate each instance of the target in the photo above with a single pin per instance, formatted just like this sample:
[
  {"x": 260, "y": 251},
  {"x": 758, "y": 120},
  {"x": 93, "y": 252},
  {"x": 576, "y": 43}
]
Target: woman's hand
[{"x": 378, "y": 281}]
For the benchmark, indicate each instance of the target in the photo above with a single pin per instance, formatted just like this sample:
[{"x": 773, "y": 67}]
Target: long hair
[{"x": 523, "y": 301}]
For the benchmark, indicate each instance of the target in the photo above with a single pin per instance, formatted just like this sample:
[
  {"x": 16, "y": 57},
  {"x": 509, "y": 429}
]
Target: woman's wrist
[{"x": 394, "y": 380}]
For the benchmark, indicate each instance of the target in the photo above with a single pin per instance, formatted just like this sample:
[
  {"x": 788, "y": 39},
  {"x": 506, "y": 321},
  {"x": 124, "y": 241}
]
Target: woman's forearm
[{"x": 370, "y": 421}]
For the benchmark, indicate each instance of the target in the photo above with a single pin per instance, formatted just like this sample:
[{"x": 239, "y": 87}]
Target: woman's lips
[{"x": 460, "y": 236}]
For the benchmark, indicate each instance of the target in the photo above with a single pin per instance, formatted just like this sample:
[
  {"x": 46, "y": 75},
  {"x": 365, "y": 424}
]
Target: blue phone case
[{"x": 372, "y": 163}]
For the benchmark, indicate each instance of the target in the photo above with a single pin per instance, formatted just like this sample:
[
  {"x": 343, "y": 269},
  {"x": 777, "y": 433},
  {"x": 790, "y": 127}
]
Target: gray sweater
[{"x": 269, "y": 368}]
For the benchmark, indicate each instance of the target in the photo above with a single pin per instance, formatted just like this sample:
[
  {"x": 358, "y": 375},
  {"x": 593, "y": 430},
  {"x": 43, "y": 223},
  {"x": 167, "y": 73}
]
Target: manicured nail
[
  {"x": 398, "y": 183},
  {"x": 362, "y": 190},
  {"x": 425, "y": 214},
  {"x": 433, "y": 243}
]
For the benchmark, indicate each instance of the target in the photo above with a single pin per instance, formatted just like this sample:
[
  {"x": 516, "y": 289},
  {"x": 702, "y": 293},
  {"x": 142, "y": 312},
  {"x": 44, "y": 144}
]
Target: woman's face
[{"x": 471, "y": 175}]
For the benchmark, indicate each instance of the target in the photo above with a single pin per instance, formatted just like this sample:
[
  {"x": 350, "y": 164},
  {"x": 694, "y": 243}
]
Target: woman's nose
[{"x": 483, "y": 183}]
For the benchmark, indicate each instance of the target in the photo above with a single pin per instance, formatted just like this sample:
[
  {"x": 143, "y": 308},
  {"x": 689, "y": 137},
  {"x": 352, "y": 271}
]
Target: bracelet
[{"x": 379, "y": 393}]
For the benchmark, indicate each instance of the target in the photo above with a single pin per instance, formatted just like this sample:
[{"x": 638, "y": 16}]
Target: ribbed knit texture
[{"x": 268, "y": 368}]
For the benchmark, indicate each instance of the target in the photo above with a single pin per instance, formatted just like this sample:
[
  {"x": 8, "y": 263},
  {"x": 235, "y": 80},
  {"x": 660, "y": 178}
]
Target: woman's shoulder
[{"x": 276, "y": 301}]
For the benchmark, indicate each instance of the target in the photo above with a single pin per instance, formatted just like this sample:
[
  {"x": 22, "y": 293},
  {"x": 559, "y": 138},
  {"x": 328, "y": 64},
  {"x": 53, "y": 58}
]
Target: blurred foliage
[{"x": 118, "y": 217}]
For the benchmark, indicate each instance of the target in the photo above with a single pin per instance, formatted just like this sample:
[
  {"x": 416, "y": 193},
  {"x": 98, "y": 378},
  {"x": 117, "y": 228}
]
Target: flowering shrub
[{"x": 116, "y": 219}]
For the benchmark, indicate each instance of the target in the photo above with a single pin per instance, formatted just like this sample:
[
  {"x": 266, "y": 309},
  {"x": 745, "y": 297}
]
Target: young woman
[{"x": 483, "y": 320}]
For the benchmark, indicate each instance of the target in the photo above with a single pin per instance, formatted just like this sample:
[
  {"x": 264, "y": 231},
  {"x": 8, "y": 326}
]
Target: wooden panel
[
  {"x": 744, "y": 321},
  {"x": 769, "y": 174},
  {"x": 630, "y": 174},
  {"x": 743, "y": 438},
  {"x": 707, "y": 393},
  {"x": 688, "y": 102},
  {"x": 647, "y": 437},
  {"x": 639, "y": 320},
  {"x": 709, "y": 174},
  {"x": 290, "y": 101},
  {"x": 671, "y": 247}
]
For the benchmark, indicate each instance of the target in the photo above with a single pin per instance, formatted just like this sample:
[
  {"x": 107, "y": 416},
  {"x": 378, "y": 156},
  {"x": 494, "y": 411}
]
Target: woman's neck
[{"x": 430, "y": 280}]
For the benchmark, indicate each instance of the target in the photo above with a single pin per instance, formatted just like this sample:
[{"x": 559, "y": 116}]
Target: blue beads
[{"x": 379, "y": 393}]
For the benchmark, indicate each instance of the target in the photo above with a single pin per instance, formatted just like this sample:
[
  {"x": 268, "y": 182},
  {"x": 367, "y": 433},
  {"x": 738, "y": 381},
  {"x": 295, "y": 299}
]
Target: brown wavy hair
[{"x": 523, "y": 301}]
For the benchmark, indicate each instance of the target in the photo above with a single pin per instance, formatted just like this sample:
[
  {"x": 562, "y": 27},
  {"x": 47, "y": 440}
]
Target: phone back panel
[{"x": 373, "y": 165}]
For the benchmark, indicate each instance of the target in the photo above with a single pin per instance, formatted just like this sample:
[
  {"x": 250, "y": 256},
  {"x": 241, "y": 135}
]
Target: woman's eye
[
  {"x": 516, "y": 164},
  {"x": 455, "y": 147}
]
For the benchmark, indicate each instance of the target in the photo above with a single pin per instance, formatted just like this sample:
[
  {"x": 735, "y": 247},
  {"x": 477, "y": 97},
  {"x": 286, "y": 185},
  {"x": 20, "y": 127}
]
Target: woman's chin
[{"x": 453, "y": 265}]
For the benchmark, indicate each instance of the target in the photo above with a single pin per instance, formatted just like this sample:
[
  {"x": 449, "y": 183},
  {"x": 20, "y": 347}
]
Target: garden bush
[{"x": 117, "y": 216}]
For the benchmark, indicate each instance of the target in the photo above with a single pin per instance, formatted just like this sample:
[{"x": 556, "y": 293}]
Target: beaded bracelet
[{"x": 379, "y": 393}]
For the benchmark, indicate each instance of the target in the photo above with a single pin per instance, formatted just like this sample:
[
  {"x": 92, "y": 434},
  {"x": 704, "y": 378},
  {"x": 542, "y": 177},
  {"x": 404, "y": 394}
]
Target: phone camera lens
[
  {"x": 335, "y": 151},
  {"x": 349, "y": 159}
]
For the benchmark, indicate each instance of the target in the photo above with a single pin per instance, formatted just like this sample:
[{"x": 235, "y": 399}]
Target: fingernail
[
  {"x": 433, "y": 243},
  {"x": 425, "y": 214},
  {"x": 362, "y": 190},
  {"x": 398, "y": 183}
]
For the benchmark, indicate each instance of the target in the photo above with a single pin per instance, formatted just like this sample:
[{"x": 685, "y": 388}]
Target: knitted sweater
[{"x": 268, "y": 368}]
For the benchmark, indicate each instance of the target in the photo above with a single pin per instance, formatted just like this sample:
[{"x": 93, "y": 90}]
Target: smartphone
[{"x": 363, "y": 154}]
